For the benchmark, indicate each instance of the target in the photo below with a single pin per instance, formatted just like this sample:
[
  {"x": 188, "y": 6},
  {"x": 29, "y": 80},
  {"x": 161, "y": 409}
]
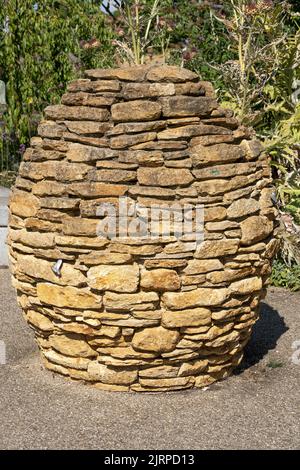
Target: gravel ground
[{"x": 257, "y": 408}]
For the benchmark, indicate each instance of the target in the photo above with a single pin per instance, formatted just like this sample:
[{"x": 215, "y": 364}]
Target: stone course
[{"x": 141, "y": 315}]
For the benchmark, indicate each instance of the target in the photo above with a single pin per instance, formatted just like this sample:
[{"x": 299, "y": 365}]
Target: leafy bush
[
  {"x": 285, "y": 276},
  {"x": 43, "y": 45}
]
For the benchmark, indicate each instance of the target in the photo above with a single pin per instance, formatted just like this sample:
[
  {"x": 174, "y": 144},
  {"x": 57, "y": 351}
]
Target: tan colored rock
[
  {"x": 85, "y": 99},
  {"x": 71, "y": 347},
  {"x": 216, "y": 248},
  {"x": 164, "y": 176},
  {"x": 166, "y": 73},
  {"x": 61, "y": 112},
  {"x": 97, "y": 189},
  {"x": 104, "y": 277},
  {"x": 42, "y": 270},
  {"x": 229, "y": 274},
  {"x": 242, "y": 207},
  {"x": 60, "y": 170},
  {"x": 185, "y": 318},
  {"x": 129, "y": 302},
  {"x": 81, "y": 227},
  {"x": 192, "y": 368},
  {"x": 95, "y": 86},
  {"x": 113, "y": 176},
  {"x": 202, "y": 155},
  {"x": 23, "y": 204},
  {"x": 132, "y": 91},
  {"x": 255, "y": 229},
  {"x": 196, "y": 266},
  {"x": 67, "y": 296},
  {"x": 125, "y": 141},
  {"x": 253, "y": 148},
  {"x": 139, "y": 110},
  {"x": 108, "y": 375},
  {"x": 159, "y": 372},
  {"x": 39, "y": 321},
  {"x": 225, "y": 171},
  {"x": 134, "y": 127},
  {"x": 246, "y": 286},
  {"x": 157, "y": 340},
  {"x": 66, "y": 361},
  {"x": 179, "y": 106},
  {"x": 48, "y": 188},
  {"x": 88, "y": 127},
  {"x": 87, "y": 242},
  {"x": 33, "y": 239},
  {"x": 167, "y": 384},
  {"x": 190, "y": 131},
  {"x": 214, "y": 213},
  {"x": 202, "y": 297},
  {"x": 130, "y": 74},
  {"x": 165, "y": 263},
  {"x": 160, "y": 280}
]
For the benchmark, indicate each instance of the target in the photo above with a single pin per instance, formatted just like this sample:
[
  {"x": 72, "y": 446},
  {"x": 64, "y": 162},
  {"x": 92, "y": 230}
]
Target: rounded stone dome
[{"x": 140, "y": 234}]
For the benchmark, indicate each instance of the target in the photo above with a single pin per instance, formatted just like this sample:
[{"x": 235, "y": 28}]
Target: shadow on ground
[{"x": 265, "y": 335}]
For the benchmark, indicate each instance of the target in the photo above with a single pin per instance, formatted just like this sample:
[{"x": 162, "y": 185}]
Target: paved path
[{"x": 258, "y": 408}]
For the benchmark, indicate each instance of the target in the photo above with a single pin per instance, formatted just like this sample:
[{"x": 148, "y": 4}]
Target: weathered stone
[
  {"x": 125, "y": 141},
  {"x": 225, "y": 171},
  {"x": 67, "y": 296},
  {"x": 246, "y": 286},
  {"x": 95, "y": 86},
  {"x": 160, "y": 280},
  {"x": 242, "y": 207},
  {"x": 66, "y": 361},
  {"x": 61, "y": 112},
  {"x": 190, "y": 131},
  {"x": 164, "y": 145},
  {"x": 49, "y": 188},
  {"x": 86, "y": 99},
  {"x": 134, "y": 127},
  {"x": 130, "y": 74},
  {"x": 196, "y": 266},
  {"x": 166, "y": 73},
  {"x": 202, "y": 155},
  {"x": 129, "y": 302},
  {"x": 43, "y": 270},
  {"x": 192, "y": 368},
  {"x": 48, "y": 129},
  {"x": 131, "y": 91},
  {"x": 88, "y": 127},
  {"x": 202, "y": 297},
  {"x": 113, "y": 176},
  {"x": 60, "y": 170},
  {"x": 177, "y": 106},
  {"x": 113, "y": 278},
  {"x": 39, "y": 321},
  {"x": 214, "y": 213},
  {"x": 24, "y": 204},
  {"x": 190, "y": 88},
  {"x": 164, "y": 263},
  {"x": 157, "y": 340},
  {"x": 97, "y": 189},
  {"x": 135, "y": 110},
  {"x": 229, "y": 274},
  {"x": 216, "y": 248},
  {"x": 164, "y": 176},
  {"x": 105, "y": 258},
  {"x": 75, "y": 241},
  {"x": 167, "y": 384},
  {"x": 81, "y": 227},
  {"x": 183, "y": 318},
  {"x": 34, "y": 239},
  {"x": 253, "y": 148},
  {"x": 159, "y": 372},
  {"x": 70, "y": 346},
  {"x": 255, "y": 229},
  {"x": 107, "y": 375}
]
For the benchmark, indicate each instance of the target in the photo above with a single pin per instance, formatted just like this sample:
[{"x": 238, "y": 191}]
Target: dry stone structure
[{"x": 139, "y": 314}]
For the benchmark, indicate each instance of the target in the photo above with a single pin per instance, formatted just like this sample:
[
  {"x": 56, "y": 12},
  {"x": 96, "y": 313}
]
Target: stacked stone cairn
[{"x": 139, "y": 314}]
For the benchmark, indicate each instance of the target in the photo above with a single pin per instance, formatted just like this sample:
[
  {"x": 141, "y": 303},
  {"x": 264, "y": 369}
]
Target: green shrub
[
  {"x": 43, "y": 45},
  {"x": 285, "y": 276}
]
